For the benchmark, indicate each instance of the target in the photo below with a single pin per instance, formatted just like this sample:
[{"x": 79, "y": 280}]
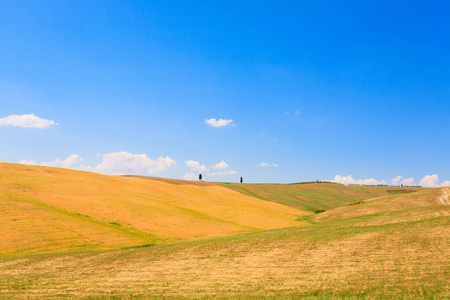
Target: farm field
[
  {"x": 314, "y": 196},
  {"x": 46, "y": 209},
  {"x": 390, "y": 246}
]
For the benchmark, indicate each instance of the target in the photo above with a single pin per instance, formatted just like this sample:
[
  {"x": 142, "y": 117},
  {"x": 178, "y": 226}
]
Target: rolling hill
[
  {"x": 46, "y": 209},
  {"x": 344, "y": 255},
  {"x": 314, "y": 196},
  {"x": 72, "y": 234}
]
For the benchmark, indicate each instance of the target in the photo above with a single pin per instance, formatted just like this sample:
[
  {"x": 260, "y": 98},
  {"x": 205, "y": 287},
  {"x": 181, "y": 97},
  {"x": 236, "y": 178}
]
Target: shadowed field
[
  {"x": 387, "y": 247},
  {"x": 51, "y": 209}
]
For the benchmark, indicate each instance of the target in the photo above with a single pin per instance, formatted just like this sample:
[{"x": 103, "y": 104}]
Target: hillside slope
[
  {"x": 52, "y": 209},
  {"x": 401, "y": 257},
  {"x": 424, "y": 204},
  {"x": 313, "y": 196}
]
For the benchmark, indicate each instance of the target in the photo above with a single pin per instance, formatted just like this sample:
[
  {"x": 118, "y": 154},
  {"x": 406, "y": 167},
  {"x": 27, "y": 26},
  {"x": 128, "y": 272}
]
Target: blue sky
[{"x": 314, "y": 89}]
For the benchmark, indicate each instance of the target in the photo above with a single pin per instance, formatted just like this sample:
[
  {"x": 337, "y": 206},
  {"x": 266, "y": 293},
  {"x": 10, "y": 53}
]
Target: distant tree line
[
  {"x": 354, "y": 184},
  {"x": 410, "y": 186},
  {"x": 317, "y": 181}
]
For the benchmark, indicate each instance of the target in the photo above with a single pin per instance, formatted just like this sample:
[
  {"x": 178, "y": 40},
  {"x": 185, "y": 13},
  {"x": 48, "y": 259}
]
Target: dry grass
[
  {"x": 388, "y": 261},
  {"x": 423, "y": 204},
  {"x": 52, "y": 209},
  {"x": 313, "y": 196},
  {"x": 393, "y": 247}
]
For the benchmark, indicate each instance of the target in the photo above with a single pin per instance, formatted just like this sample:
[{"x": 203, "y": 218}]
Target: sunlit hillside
[
  {"x": 392, "y": 247},
  {"x": 424, "y": 204},
  {"x": 315, "y": 196},
  {"x": 46, "y": 209}
]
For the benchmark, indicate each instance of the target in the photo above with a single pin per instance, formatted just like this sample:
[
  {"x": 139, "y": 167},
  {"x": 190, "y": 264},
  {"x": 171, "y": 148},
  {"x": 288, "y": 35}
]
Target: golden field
[
  {"x": 214, "y": 242},
  {"x": 46, "y": 209}
]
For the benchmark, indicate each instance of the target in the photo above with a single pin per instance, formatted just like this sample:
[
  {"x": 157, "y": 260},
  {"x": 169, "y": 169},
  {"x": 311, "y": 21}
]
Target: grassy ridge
[
  {"x": 313, "y": 196},
  {"x": 341, "y": 257},
  {"x": 52, "y": 209}
]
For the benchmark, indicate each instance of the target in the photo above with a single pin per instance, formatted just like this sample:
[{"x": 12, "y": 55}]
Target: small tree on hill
[
  {"x": 242, "y": 180},
  {"x": 200, "y": 176}
]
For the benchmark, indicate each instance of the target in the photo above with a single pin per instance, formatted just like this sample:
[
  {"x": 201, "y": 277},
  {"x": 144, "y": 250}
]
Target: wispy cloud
[
  {"x": 427, "y": 181},
  {"x": 27, "y": 121},
  {"x": 399, "y": 180},
  {"x": 295, "y": 112},
  {"x": 219, "y": 123},
  {"x": 220, "y": 166},
  {"x": 408, "y": 181},
  {"x": 65, "y": 163},
  {"x": 190, "y": 176},
  {"x": 263, "y": 164},
  {"x": 350, "y": 180},
  {"x": 195, "y": 166},
  {"x": 124, "y": 163},
  {"x": 27, "y": 162},
  {"x": 222, "y": 169},
  {"x": 430, "y": 181},
  {"x": 222, "y": 173}
]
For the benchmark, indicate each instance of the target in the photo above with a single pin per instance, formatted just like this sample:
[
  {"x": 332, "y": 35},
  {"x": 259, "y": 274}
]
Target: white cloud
[
  {"x": 124, "y": 163},
  {"x": 219, "y": 123},
  {"x": 195, "y": 166},
  {"x": 66, "y": 163},
  {"x": 263, "y": 164},
  {"x": 350, "y": 180},
  {"x": 220, "y": 166},
  {"x": 190, "y": 176},
  {"x": 221, "y": 173},
  {"x": 430, "y": 181},
  {"x": 408, "y": 181},
  {"x": 397, "y": 179},
  {"x": 27, "y": 121},
  {"x": 27, "y": 162},
  {"x": 86, "y": 168}
]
